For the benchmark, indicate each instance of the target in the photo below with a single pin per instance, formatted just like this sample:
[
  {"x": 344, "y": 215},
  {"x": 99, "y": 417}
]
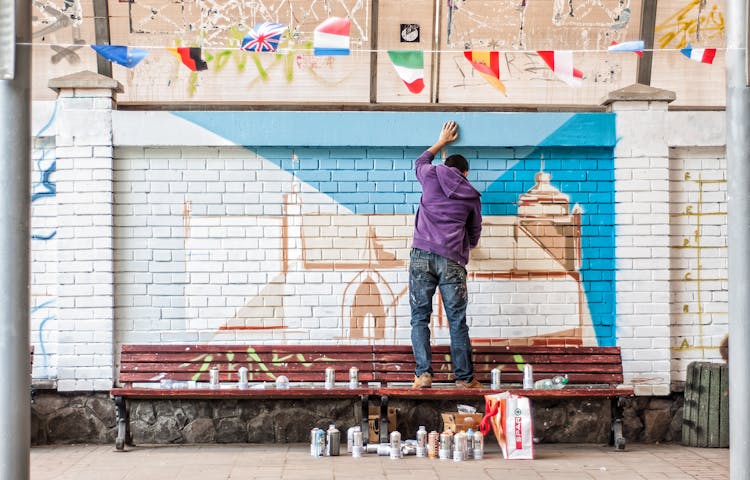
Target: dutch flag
[
  {"x": 703, "y": 55},
  {"x": 332, "y": 37}
]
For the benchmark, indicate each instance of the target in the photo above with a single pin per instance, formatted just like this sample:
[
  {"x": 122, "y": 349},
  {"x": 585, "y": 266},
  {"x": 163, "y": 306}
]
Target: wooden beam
[
  {"x": 101, "y": 35},
  {"x": 374, "y": 53},
  {"x": 648, "y": 27}
]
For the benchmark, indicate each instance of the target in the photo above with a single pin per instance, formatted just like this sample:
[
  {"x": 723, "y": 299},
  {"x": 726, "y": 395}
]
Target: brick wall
[{"x": 303, "y": 236}]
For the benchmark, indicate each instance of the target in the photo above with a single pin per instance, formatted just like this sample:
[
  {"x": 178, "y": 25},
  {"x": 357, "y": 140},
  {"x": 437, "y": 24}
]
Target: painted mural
[{"x": 289, "y": 245}]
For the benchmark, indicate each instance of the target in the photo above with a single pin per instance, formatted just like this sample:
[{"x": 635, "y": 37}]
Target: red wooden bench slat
[
  {"x": 233, "y": 367},
  {"x": 203, "y": 393},
  {"x": 269, "y": 358},
  {"x": 146, "y": 377},
  {"x": 507, "y": 359},
  {"x": 521, "y": 349},
  {"x": 453, "y": 393},
  {"x": 577, "y": 378},
  {"x": 243, "y": 348}
]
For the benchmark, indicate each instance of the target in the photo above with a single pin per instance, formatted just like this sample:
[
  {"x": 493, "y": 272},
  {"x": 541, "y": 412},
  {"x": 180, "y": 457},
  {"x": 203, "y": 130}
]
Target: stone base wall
[{"x": 90, "y": 418}]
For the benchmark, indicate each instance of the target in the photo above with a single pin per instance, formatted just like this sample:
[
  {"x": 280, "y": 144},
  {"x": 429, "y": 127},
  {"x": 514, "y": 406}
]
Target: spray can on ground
[
  {"x": 446, "y": 445},
  {"x": 357, "y": 448},
  {"x": 433, "y": 444},
  {"x": 317, "y": 442},
  {"x": 528, "y": 377},
  {"x": 333, "y": 442},
  {"x": 478, "y": 445},
  {"x": 330, "y": 378},
  {"x": 383, "y": 449},
  {"x": 350, "y": 437},
  {"x": 422, "y": 441},
  {"x": 354, "y": 377},
  {"x": 395, "y": 445},
  {"x": 495, "y": 378},
  {"x": 469, "y": 444},
  {"x": 459, "y": 447}
]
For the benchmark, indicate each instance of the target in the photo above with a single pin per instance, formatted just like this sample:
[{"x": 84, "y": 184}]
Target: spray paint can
[
  {"x": 330, "y": 378},
  {"x": 478, "y": 445},
  {"x": 495, "y": 378},
  {"x": 459, "y": 447},
  {"x": 371, "y": 448},
  {"x": 383, "y": 450},
  {"x": 213, "y": 377},
  {"x": 422, "y": 441},
  {"x": 395, "y": 445},
  {"x": 433, "y": 440},
  {"x": 469, "y": 444},
  {"x": 353, "y": 377},
  {"x": 357, "y": 449},
  {"x": 317, "y": 442},
  {"x": 528, "y": 377},
  {"x": 242, "y": 377},
  {"x": 446, "y": 446},
  {"x": 333, "y": 441},
  {"x": 350, "y": 437}
]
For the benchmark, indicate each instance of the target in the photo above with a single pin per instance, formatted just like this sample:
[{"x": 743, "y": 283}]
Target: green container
[{"x": 705, "y": 417}]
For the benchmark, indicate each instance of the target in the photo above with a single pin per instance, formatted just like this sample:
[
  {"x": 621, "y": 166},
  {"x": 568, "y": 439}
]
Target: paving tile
[{"x": 293, "y": 462}]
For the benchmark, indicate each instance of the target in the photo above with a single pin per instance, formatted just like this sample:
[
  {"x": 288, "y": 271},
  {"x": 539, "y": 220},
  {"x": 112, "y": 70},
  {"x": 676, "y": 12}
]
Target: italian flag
[{"x": 409, "y": 65}]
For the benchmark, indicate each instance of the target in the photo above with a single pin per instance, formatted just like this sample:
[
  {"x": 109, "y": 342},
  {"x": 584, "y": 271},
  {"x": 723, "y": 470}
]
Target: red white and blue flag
[
  {"x": 332, "y": 37},
  {"x": 635, "y": 46},
  {"x": 263, "y": 37},
  {"x": 703, "y": 55}
]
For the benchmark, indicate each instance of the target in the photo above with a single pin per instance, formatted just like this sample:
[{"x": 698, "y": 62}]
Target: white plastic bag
[{"x": 510, "y": 418}]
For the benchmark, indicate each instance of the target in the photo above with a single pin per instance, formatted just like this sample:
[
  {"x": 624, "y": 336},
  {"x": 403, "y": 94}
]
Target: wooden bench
[
  {"x": 593, "y": 372},
  {"x": 143, "y": 367}
]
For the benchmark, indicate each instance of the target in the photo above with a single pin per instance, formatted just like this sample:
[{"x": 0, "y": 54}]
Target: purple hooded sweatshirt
[{"x": 449, "y": 219}]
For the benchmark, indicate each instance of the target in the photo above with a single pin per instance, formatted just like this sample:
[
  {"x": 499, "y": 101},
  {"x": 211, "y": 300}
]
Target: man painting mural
[{"x": 447, "y": 226}]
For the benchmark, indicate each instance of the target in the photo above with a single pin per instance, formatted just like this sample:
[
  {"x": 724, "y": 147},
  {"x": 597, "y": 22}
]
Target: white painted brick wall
[
  {"x": 642, "y": 191},
  {"x": 179, "y": 243}
]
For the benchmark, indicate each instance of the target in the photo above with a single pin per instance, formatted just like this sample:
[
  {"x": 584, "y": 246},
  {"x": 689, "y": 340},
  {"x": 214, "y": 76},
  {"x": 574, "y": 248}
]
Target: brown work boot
[
  {"x": 422, "y": 381},
  {"x": 473, "y": 383}
]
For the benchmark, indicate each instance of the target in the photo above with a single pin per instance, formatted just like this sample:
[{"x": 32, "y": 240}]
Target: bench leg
[
  {"x": 121, "y": 420},
  {"x": 616, "y": 437},
  {"x": 384, "y": 419},
  {"x": 364, "y": 420}
]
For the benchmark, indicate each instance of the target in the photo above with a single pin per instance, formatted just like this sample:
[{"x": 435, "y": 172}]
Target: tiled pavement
[{"x": 267, "y": 462}]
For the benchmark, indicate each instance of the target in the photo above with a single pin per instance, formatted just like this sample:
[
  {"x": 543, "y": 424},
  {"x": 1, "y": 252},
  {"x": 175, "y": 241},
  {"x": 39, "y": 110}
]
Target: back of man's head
[{"x": 457, "y": 161}]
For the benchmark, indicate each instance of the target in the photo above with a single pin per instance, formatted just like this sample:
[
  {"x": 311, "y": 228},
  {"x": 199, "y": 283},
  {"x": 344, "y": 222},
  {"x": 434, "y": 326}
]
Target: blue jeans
[{"x": 428, "y": 271}]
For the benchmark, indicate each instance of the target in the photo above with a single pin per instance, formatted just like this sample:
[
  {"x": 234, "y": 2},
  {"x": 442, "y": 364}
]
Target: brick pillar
[
  {"x": 642, "y": 235},
  {"x": 84, "y": 240}
]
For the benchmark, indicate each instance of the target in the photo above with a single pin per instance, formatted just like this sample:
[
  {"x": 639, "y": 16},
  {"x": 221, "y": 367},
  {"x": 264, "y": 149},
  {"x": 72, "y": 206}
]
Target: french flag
[
  {"x": 332, "y": 37},
  {"x": 703, "y": 55},
  {"x": 561, "y": 63}
]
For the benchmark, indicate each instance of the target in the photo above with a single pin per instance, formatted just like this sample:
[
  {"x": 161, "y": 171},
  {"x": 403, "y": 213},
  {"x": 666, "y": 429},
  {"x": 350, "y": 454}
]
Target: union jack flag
[{"x": 263, "y": 37}]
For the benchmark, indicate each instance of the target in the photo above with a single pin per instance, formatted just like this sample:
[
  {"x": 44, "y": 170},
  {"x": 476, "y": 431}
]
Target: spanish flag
[
  {"x": 488, "y": 65},
  {"x": 190, "y": 57}
]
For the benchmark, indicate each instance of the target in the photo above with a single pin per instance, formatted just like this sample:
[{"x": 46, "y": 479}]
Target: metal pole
[
  {"x": 15, "y": 200},
  {"x": 738, "y": 176}
]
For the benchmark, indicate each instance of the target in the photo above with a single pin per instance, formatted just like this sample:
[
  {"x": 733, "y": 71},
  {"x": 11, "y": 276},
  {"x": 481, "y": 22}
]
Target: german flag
[
  {"x": 190, "y": 57},
  {"x": 488, "y": 65}
]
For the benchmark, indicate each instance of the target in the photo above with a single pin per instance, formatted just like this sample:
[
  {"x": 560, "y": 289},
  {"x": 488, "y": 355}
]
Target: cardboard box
[
  {"x": 373, "y": 422},
  {"x": 457, "y": 422}
]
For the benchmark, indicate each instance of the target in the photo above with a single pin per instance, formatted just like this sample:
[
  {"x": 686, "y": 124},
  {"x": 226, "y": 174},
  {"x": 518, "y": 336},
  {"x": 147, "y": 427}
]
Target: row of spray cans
[
  {"x": 459, "y": 447},
  {"x": 242, "y": 378},
  {"x": 330, "y": 379}
]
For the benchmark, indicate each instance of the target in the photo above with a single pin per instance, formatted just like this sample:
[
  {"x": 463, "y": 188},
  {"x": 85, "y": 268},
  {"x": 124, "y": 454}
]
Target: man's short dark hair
[{"x": 457, "y": 161}]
